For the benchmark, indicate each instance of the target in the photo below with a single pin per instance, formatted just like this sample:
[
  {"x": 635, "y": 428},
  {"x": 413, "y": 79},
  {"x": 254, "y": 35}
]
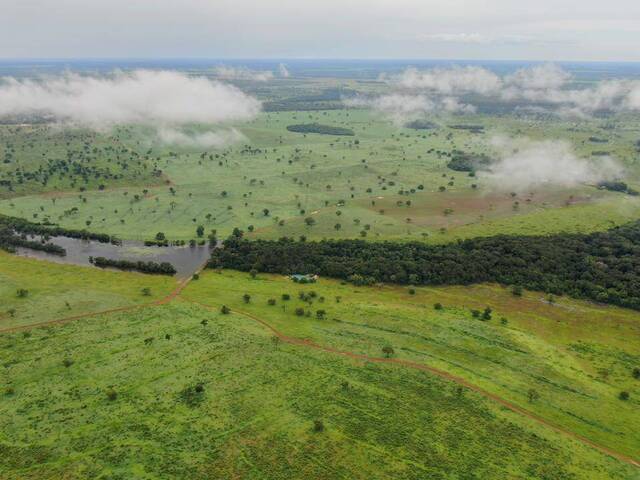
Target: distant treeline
[
  {"x": 22, "y": 225},
  {"x": 470, "y": 128},
  {"x": 319, "y": 128},
  {"x": 468, "y": 162},
  {"x": 328, "y": 99},
  {"x": 163, "y": 268},
  {"x": 421, "y": 125},
  {"x": 9, "y": 240},
  {"x": 603, "y": 266},
  {"x": 617, "y": 186}
]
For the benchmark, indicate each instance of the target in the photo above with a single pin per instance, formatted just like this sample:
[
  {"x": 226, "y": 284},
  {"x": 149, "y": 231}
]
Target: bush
[
  {"x": 299, "y": 311},
  {"x": 437, "y": 306},
  {"x": 225, "y": 310},
  {"x": 624, "y": 396},
  {"x": 271, "y": 301},
  {"x": 22, "y": 293}
]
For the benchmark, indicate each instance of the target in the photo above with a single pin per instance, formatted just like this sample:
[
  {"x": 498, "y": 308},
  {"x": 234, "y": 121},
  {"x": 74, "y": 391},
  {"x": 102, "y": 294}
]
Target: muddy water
[{"x": 185, "y": 259}]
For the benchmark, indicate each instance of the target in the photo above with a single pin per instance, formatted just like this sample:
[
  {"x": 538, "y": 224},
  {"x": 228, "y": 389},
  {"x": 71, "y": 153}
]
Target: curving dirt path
[
  {"x": 161, "y": 301},
  {"x": 442, "y": 374},
  {"x": 356, "y": 356}
]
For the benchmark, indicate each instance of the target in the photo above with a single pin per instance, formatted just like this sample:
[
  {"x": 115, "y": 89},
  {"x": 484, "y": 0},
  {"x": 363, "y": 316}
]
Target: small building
[{"x": 299, "y": 278}]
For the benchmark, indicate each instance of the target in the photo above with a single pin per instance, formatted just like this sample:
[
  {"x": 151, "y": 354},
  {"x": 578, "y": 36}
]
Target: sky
[{"x": 548, "y": 30}]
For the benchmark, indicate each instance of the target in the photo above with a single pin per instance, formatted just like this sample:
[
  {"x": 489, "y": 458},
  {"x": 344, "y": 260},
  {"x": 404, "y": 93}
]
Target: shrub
[
  {"x": 22, "y": 293},
  {"x": 286, "y": 296},
  {"x": 437, "y": 306},
  {"x": 299, "y": 311},
  {"x": 388, "y": 351},
  {"x": 271, "y": 301},
  {"x": 624, "y": 396}
]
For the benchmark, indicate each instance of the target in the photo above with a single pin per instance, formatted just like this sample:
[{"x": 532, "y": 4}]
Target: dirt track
[
  {"x": 442, "y": 374},
  {"x": 356, "y": 356}
]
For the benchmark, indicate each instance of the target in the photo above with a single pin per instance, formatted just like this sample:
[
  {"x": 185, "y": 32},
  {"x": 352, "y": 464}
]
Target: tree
[
  {"x": 636, "y": 373},
  {"x": 246, "y": 298},
  {"x": 388, "y": 351},
  {"x": 320, "y": 314},
  {"x": 146, "y": 291},
  {"x": 310, "y": 221},
  {"x": 225, "y": 310},
  {"x": 253, "y": 272},
  {"x": 160, "y": 236},
  {"x": 22, "y": 293},
  {"x": 437, "y": 306},
  {"x": 299, "y": 311},
  {"x": 624, "y": 396},
  {"x": 318, "y": 426},
  {"x": 486, "y": 314},
  {"x": 200, "y": 231},
  {"x": 265, "y": 211},
  {"x": 532, "y": 395}
]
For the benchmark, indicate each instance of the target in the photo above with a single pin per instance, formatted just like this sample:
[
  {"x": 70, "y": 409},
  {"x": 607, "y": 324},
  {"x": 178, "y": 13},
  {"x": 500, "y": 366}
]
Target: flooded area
[{"x": 185, "y": 259}]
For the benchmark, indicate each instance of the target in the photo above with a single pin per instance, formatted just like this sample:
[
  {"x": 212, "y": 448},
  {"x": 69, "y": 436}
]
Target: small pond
[{"x": 186, "y": 259}]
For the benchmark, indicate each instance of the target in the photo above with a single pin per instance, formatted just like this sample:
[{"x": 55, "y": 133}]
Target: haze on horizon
[{"x": 547, "y": 30}]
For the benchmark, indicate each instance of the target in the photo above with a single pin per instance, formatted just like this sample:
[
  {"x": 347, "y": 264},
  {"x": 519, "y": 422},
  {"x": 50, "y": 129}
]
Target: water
[{"x": 186, "y": 260}]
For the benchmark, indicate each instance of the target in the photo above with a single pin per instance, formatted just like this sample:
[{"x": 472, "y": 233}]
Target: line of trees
[
  {"x": 319, "y": 128},
  {"x": 9, "y": 241},
  {"x": 21, "y": 225},
  {"x": 163, "y": 268},
  {"x": 603, "y": 266}
]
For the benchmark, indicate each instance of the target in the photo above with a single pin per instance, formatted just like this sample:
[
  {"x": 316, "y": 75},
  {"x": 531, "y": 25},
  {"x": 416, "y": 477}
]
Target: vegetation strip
[
  {"x": 440, "y": 373},
  {"x": 604, "y": 267}
]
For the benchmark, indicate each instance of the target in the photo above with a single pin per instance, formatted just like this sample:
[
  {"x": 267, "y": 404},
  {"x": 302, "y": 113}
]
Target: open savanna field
[
  {"x": 265, "y": 392},
  {"x": 384, "y": 182}
]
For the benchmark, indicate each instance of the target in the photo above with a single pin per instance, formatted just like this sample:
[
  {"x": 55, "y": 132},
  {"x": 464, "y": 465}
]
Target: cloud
[
  {"x": 220, "y": 138},
  {"x": 454, "y": 37},
  {"x": 242, "y": 73},
  {"x": 283, "y": 71},
  {"x": 526, "y": 164},
  {"x": 402, "y": 108},
  {"x": 138, "y": 97},
  {"x": 450, "y": 81},
  {"x": 546, "y": 84}
]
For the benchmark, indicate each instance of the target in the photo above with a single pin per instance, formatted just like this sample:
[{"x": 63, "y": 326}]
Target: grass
[
  {"x": 332, "y": 179},
  {"x": 178, "y": 391},
  {"x": 576, "y": 356},
  {"x": 58, "y": 291}
]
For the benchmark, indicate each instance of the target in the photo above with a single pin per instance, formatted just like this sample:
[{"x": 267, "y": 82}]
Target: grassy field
[
  {"x": 576, "y": 356},
  {"x": 383, "y": 183},
  {"x": 179, "y": 391},
  {"x": 57, "y": 291}
]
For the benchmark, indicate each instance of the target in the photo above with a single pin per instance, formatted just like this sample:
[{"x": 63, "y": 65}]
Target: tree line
[
  {"x": 23, "y": 226},
  {"x": 602, "y": 266},
  {"x": 163, "y": 268}
]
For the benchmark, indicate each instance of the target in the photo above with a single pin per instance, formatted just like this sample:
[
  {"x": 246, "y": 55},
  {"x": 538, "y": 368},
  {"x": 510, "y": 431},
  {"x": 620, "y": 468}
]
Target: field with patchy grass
[
  {"x": 383, "y": 183},
  {"x": 566, "y": 360},
  {"x": 180, "y": 391},
  {"x": 54, "y": 291}
]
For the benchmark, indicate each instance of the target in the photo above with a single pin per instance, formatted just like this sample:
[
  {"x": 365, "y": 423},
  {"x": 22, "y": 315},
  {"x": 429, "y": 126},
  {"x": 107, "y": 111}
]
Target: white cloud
[
  {"x": 526, "y": 164},
  {"x": 139, "y": 97},
  {"x": 545, "y": 83},
  {"x": 402, "y": 108},
  {"x": 447, "y": 81},
  {"x": 242, "y": 73},
  {"x": 283, "y": 71},
  {"x": 211, "y": 139}
]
